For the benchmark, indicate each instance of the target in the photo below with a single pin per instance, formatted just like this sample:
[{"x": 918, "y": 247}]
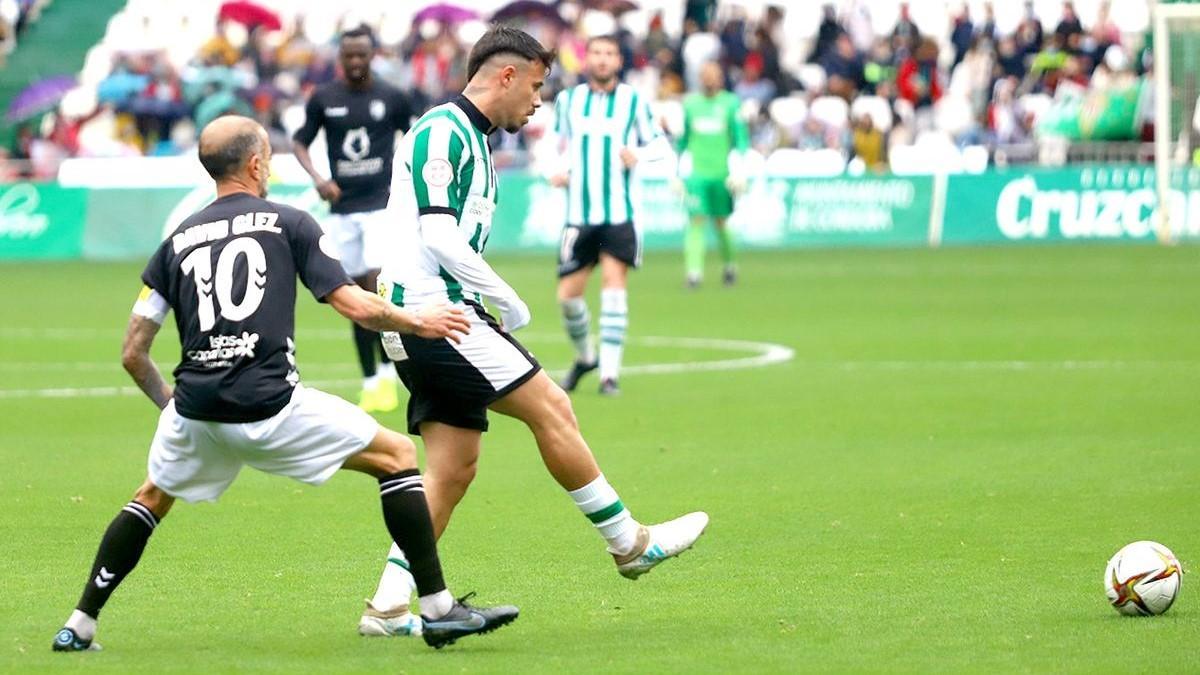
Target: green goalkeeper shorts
[{"x": 709, "y": 197}]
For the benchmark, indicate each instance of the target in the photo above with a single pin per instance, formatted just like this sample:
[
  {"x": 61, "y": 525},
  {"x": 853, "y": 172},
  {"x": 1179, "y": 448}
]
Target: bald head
[
  {"x": 228, "y": 142},
  {"x": 235, "y": 149}
]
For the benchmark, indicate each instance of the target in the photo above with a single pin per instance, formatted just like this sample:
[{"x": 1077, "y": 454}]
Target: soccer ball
[{"x": 1143, "y": 579}]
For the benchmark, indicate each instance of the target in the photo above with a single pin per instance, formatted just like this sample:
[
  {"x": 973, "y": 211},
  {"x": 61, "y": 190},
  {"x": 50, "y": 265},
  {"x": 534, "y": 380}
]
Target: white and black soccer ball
[{"x": 1143, "y": 579}]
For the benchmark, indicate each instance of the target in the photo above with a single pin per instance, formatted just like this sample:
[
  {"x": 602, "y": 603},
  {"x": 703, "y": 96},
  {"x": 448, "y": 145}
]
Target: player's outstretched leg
[
  {"x": 391, "y": 458},
  {"x": 120, "y": 549},
  {"x": 635, "y": 548}
]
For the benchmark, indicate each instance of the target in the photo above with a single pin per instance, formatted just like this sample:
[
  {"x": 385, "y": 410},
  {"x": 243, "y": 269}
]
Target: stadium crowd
[{"x": 858, "y": 92}]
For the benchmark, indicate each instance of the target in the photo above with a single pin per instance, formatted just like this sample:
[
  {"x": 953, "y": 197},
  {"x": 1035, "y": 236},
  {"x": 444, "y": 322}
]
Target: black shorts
[
  {"x": 455, "y": 383},
  {"x": 581, "y": 246}
]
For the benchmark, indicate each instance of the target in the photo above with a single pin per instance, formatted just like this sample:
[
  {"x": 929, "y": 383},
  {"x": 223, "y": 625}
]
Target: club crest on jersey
[
  {"x": 437, "y": 172},
  {"x": 357, "y": 144},
  {"x": 377, "y": 109}
]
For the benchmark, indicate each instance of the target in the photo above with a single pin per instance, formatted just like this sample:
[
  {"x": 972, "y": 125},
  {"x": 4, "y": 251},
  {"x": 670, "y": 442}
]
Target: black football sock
[
  {"x": 406, "y": 514},
  {"x": 364, "y": 343},
  {"x": 120, "y": 550}
]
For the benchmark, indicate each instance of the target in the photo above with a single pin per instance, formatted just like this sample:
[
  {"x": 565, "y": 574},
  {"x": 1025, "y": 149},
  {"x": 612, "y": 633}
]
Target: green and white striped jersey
[
  {"x": 596, "y": 125},
  {"x": 444, "y": 166}
]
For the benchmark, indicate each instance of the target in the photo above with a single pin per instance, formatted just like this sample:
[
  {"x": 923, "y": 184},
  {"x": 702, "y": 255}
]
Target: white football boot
[
  {"x": 657, "y": 543},
  {"x": 399, "y": 622}
]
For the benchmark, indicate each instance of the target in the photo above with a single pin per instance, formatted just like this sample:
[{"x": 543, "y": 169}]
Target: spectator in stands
[
  {"x": 1010, "y": 61},
  {"x": 1029, "y": 32},
  {"x": 814, "y": 135},
  {"x": 1006, "y": 121},
  {"x": 843, "y": 69},
  {"x": 670, "y": 78},
  {"x": 1069, "y": 24},
  {"x": 867, "y": 143},
  {"x": 987, "y": 27},
  {"x": 160, "y": 104},
  {"x": 768, "y": 50},
  {"x": 962, "y": 34},
  {"x": 918, "y": 81},
  {"x": 733, "y": 39},
  {"x": 1047, "y": 65},
  {"x": 972, "y": 79},
  {"x": 827, "y": 34},
  {"x": 753, "y": 86},
  {"x": 879, "y": 69},
  {"x": 656, "y": 37},
  {"x": 905, "y": 34},
  {"x": 218, "y": 49}
]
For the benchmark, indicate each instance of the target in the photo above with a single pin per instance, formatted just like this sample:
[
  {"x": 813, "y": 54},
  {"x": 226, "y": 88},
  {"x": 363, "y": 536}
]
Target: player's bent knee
[
  {"x": 152, "y": 497},
  {"x": 555, "y": 412},
  {"x": 398, "y": 451},
  {"x": 462, "y": 476}
]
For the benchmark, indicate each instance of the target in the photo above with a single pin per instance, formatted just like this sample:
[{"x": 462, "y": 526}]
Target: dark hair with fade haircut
[
  {"x": 224, "y": 160},
  {"x": 360, "y": 31},
  {"x": 507, "y": 40}
]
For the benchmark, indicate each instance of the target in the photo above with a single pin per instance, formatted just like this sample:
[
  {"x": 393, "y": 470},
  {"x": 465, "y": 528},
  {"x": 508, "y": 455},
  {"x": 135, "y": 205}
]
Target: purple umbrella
[
  {"x": 531, "y": 10},
  {"x": 39, "y": 97},
  {"x": 446, "y": 13}
]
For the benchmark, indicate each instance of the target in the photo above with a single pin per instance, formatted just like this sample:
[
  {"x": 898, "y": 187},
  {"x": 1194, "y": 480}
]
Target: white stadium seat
[
  {"x": 788, "y": 112},
  {"x": 877, "y": 107},
  {"x": 812, "y": 77},
  {"x": 831, "y": 110}
]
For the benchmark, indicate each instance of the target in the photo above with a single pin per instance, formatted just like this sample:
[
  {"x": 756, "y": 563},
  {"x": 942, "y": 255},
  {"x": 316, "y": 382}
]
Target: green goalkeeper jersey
[{"x": 711, "y": 130}]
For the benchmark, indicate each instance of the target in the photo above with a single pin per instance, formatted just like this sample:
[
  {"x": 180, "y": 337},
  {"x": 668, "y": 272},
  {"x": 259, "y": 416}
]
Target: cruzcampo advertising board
[{"x": 1096, "y": 203}]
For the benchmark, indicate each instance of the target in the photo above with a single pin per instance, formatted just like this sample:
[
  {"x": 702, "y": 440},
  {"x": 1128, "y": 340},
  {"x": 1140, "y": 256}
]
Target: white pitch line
[{"x": 762, "y": 354}]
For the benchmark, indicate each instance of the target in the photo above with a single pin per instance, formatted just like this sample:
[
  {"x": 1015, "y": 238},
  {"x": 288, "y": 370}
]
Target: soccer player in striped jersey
[
  {"x": 443, "y": 206},
  {"x": 605, "y": 128}
]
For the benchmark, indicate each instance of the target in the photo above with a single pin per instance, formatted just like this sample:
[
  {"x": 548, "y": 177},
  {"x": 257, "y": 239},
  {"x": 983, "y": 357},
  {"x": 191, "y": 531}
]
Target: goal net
[{"x": 1176, "y": 45}]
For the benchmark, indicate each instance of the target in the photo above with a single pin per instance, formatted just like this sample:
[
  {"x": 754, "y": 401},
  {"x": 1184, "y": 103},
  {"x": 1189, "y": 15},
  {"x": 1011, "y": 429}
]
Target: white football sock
[
  {"x": 614, "y": 320},
  {"x": 385, "y": 371},
  {"x": 370, "y": 383},
  {"x": 83, "y": 625},
  {"x": 437, "y": 605},
  {"x": 600, "y": 503},
  {"x": 396, "y": 585},
  {"x": 577, "y": 320}
]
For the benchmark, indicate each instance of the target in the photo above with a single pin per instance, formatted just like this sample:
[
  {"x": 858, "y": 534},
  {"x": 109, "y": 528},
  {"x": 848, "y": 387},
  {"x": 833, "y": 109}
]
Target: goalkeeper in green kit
[{"x": 714, "y": 139}]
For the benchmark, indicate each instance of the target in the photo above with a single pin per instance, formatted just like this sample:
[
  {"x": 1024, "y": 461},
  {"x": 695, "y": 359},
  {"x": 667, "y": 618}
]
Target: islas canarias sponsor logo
[
  {"x": 222, "y": 349},
  {"x": 1105, "y": 204}
]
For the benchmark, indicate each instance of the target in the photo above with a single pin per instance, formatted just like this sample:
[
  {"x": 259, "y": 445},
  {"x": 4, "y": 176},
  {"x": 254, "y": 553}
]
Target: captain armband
[{"x": 151, "y": 305}]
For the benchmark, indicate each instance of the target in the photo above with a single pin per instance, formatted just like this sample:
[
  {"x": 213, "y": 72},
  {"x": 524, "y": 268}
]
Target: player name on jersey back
[{"x": 245, "y": 223}]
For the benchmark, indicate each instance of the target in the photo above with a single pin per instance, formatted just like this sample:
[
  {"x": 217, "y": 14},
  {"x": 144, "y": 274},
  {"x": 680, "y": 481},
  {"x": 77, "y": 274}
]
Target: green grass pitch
[{"x": 934, "y": 482}]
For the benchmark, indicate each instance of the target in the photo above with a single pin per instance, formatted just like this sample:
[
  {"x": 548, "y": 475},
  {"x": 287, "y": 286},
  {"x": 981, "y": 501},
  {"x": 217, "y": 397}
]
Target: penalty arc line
[{"x": 762, "y": 354}]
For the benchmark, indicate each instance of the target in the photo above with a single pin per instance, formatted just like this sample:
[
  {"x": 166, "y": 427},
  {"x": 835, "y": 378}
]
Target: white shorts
[
  {"x": 362, "y": 240},
  {"x": 309, "y": 440}
]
